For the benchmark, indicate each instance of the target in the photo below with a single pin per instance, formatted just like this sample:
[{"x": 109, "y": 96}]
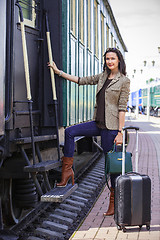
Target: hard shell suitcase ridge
[{"x": 132, "y": 195}]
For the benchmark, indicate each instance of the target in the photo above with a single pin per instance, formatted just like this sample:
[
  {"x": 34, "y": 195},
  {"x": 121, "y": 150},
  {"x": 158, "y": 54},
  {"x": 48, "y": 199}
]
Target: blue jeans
[{"x": 89, "y": 129}]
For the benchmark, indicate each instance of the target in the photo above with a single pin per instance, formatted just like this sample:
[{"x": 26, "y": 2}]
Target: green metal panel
[
  {"x": 81, "y": 88},
  {"x": 89, "y": 88},
  {"x": 152, "y": 96},
  {"x": 68, "y": 103},
  {"x": 96, "y": 70},
  {"x": 94, "y": 98},
  {"x": 81, "y": 92},
  {"x": 72, "y": 109},
  {"x": 72, "y": 96},
  {"x": 156, "y": 97},
  {"x": 144, "y": 96},
  {"x": 85, "y": 102},
  {"x": 91, "y": 101}
]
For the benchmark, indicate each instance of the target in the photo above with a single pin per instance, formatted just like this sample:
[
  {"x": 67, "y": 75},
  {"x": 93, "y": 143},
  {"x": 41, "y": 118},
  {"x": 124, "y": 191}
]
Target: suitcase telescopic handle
[
  {"x": 131, "y": 127},
  {"x": 123, "y": 154},
  {"x": 131, "y": 173}
]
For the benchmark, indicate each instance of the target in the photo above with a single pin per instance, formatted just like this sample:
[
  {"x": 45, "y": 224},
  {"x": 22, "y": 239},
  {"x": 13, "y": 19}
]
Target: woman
[{"x": 109, "y": 115}]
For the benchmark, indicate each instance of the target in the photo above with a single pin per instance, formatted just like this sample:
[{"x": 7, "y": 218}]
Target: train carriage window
[
  {"x": 107, "y": 33},
  {"x": 81, "y": 21},
  {"x": 111, "y": 40},
  {"x": 102, "y": 36},
  {"x": 73, "y": 16},
  {"x": 89, "y": 24},
  {"x": 115, "y": 43},
  {"x": 30, "y": 12},
  {"x": 96, "y": 27}
]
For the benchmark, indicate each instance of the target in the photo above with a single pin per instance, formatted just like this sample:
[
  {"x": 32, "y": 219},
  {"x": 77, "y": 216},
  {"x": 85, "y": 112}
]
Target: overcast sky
[{"x": 139, "y": 25}]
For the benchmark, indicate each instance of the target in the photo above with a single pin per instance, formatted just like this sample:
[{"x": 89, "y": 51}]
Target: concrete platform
[{"x": 97, "y": 227}]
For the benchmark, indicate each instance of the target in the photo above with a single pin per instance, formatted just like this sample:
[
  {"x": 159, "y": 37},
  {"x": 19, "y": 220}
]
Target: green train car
[
  {"x": 80, "y": 31},
  {"x": 154, "y": 100},
  {"x": 155, "y": 96},
  {"x": 144, "y": 97},
  {"x": 89, "y": 28}
]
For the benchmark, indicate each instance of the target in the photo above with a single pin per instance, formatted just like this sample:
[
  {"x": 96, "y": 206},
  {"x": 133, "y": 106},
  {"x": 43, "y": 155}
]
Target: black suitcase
[{"x": 132, "y": 195}]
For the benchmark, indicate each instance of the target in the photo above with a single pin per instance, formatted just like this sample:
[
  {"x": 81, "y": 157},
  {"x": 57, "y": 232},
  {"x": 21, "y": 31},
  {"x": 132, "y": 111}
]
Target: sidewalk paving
[{"x": 97, "y": 227}]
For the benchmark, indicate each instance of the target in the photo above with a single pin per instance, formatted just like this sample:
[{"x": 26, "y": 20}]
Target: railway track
[{"x": 58, "y": 221}]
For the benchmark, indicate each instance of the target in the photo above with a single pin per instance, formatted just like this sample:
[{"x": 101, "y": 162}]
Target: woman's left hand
[{"x": 119, "y": 138}]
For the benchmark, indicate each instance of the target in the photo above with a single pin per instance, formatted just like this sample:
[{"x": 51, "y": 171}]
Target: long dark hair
[{"x": 121, "y": 65}]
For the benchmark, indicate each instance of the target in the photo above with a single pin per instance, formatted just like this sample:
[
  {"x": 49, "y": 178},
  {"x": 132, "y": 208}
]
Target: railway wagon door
[
  {"x": 41, "y": 90},
  {"x": 31, "y": 15}
]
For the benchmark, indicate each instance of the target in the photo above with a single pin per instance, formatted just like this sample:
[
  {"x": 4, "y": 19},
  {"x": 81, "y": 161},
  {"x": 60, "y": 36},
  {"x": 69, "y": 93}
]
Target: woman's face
[{"x": 112, "y": 61}]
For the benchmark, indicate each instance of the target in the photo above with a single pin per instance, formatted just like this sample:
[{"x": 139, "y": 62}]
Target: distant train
[
  {"x": 80, "y": 31},
  {"x": 140, "y": 98}
]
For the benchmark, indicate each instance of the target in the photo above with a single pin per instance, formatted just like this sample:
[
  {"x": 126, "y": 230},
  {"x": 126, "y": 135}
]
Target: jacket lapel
[
  {"x": 103, "y": 79},
  {"x": 114, "y": 80}
]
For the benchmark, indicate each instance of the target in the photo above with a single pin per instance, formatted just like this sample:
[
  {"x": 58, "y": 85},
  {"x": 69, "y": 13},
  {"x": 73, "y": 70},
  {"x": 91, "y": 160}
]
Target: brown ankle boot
[
  {"x": 67, "y": 171},
  {"x": 111, "y": 205}
]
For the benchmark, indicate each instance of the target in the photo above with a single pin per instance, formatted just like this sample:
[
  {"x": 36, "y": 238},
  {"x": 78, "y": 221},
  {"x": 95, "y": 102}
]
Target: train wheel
[{"x": 11, "y": 211}]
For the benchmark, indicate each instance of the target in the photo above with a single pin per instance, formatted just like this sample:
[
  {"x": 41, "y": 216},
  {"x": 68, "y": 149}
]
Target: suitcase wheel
[
  {"x": 119, "y": 227},
  {"x": 124, "y": 229},
  {"x": 148, "y": 227}
]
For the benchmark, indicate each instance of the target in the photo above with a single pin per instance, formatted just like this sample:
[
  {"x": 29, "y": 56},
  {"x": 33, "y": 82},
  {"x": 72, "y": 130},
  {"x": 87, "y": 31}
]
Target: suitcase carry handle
[{"x": 123, "y": 154}]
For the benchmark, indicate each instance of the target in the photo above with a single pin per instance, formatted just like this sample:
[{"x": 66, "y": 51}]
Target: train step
[
  {"x": 59, "y": 194},
  {"x": 26, "y": 140},
  {"x": 43, "y": 166}
]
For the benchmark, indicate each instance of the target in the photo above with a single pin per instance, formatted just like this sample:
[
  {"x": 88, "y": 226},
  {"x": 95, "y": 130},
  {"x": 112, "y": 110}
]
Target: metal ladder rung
[
  {"x": 26, "y": 140},
  {"x": 43, "y": 166}
]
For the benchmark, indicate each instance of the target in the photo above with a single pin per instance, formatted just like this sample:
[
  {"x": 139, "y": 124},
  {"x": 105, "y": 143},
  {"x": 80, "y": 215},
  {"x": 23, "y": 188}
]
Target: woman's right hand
[{"x": 54, "y": 67}]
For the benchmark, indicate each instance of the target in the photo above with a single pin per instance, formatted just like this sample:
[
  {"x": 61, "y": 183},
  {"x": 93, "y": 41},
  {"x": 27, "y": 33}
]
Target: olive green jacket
[{"x": 116, "y": 96}]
